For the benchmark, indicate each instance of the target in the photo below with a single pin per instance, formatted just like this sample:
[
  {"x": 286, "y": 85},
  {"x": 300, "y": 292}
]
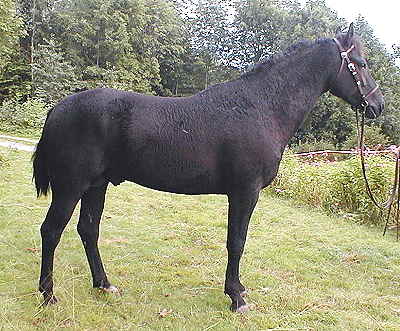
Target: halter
[{"x": 356, "y": 75}]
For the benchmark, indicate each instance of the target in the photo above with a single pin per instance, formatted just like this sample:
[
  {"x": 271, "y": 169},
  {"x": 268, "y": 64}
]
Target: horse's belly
[
  {"x": 176, "y": 176},
  {"x": 200, "y": 183}
]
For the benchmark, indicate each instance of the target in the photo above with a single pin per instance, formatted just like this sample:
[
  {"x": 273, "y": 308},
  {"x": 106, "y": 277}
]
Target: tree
[
  {"x": 124, "y": 44},
  {"x": 10, "y": 29},
  {"x": 209, "y": 33},
  {"x": 54, "y": 77},
  {"x": 12, "y": 69},
  {"x": 257, "y": 31}
]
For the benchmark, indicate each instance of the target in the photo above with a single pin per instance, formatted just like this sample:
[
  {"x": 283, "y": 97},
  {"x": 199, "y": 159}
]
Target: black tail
[{"x": 40, "y": 171}]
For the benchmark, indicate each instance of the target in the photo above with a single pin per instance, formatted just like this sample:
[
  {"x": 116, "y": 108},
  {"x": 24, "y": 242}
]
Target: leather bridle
[
  {"x": 357, "y": 76},
  {"x": 395, "y": 191}
]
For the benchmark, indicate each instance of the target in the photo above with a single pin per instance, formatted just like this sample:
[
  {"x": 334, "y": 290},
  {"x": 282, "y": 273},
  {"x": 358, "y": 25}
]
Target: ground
[{"x": 304, "y": 270}]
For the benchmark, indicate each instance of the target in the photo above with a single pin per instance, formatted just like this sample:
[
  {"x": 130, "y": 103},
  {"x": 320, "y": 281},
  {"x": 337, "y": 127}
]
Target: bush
[
  {"x": 373, "y": 137},
  {"x": 337, "y": 187},
  {"x": 28, "y": 116}
]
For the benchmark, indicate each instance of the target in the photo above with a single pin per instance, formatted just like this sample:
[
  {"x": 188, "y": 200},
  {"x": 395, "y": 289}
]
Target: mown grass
[{"x": 304, "y": 270}]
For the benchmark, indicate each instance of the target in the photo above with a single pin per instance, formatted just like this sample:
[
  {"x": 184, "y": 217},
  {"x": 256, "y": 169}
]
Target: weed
[{"x": 336, "y": 187}]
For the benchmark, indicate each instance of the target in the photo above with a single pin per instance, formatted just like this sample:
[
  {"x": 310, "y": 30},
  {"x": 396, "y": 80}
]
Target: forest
[{"x": 53, "y": 48}]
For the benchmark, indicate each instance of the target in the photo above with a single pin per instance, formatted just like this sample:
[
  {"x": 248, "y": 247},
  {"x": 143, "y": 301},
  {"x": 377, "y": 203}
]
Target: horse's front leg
[{"x": 241, "y": 206}]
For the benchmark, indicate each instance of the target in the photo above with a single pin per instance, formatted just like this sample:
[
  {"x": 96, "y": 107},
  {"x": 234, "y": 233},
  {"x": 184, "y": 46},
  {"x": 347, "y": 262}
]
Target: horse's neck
[{"x": 293, "y": 88}]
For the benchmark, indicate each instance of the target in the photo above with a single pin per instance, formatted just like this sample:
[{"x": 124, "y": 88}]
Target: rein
[{"x": 395, "y": 191}]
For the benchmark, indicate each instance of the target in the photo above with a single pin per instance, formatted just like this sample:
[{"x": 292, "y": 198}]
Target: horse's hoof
[
  {"x": 243, "y": 293},
  {"x": 242, "y": 309},
  {"x": 111, "y": 289}
]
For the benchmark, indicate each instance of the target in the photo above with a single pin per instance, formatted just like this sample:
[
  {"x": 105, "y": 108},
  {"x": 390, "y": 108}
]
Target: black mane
[{"x": 292, "y": 50}]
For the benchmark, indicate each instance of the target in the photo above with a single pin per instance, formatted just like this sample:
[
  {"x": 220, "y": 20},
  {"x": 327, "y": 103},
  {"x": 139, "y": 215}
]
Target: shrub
[
  {"x": 17, "y": 116},
  {"x": 337, "y": 187},
  {"x": 373, "y": 137}
]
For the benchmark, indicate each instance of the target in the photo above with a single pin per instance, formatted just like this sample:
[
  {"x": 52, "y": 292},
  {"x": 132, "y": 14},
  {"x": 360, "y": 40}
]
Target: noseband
[{"x": 344, "y": 54}]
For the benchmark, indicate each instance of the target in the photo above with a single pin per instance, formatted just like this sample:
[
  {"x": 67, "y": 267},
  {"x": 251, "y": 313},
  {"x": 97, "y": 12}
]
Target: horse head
[{"x": 353, "y": 82}]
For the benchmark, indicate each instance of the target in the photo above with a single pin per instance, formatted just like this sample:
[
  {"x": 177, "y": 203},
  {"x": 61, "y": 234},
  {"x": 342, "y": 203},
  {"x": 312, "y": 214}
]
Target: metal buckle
[
  {"x": 352, "y": 67},
  {"x": 364, "y": 104}
]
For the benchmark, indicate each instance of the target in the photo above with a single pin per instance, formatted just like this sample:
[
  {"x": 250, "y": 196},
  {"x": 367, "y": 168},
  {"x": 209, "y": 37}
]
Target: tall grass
[{"x": 337, "y": 187}]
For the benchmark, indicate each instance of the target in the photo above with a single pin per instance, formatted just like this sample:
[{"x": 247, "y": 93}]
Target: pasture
[{"x": 166, "y": 252}]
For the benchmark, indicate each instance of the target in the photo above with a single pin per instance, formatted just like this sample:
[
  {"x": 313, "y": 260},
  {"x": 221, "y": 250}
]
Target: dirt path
[{"x": 22, "y": 144}]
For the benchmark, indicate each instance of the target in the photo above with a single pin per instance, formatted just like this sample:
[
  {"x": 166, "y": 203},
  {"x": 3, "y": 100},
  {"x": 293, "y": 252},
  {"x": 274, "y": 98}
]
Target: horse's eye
[{"x": 360, "y": 62}]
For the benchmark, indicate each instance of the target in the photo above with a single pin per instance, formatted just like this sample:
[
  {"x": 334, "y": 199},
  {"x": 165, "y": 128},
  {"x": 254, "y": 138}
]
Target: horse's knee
[{"x": 87, "y": 227}]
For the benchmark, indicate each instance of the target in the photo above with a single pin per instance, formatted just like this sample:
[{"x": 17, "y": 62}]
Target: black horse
[{"x": 227, "y": 139}]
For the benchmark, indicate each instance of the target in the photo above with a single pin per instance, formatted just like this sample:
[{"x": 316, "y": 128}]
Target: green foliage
[
  {"x": 10, "y": 29},
  {"x": 26, "y": 116},
  {"x": 53, "y": 76},
  {"x": 336, "y": 186},
  {"x": 331, "y": 120},
  {"x": 210, "y": 40},
  {"x": 373, "y": 138},
  {"x": 257, "y": 31},
  {"x": 314, "y": 19},
  {"x": 15, "y": 80},
  {"x": 119, "y": 44},
  {"x": 13, "y": 70}
]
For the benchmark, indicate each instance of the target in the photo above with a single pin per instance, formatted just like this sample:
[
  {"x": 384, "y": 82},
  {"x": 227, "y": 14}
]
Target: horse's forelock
[{"x": 358, "y": 45}]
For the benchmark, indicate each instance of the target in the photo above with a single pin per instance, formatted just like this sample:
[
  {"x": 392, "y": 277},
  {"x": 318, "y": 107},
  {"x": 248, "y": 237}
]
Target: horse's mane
[
  {"x": 292, "y": 50},
  {"x": 295, "y": 50}
]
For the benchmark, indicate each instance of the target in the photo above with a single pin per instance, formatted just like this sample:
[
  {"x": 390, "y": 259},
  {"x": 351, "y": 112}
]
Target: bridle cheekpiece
[{"x": 344, "y": 54}]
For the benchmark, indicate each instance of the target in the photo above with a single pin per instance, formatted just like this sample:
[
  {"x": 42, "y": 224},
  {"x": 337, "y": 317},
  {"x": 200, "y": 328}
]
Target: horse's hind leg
[
  {"x": 241, "y": 206},
  {"x": 57, "y": 217},
  {"x": 92, "y": 205}
]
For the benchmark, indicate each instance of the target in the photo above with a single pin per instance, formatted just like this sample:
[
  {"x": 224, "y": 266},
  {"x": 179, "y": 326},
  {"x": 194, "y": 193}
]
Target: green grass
[
  {"x": 304, "y": 270},
  {"x": 20, "y": 132}
]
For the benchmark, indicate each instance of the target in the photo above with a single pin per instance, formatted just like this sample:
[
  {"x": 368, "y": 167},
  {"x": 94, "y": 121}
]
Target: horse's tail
[{"x": 40, "y": 169}]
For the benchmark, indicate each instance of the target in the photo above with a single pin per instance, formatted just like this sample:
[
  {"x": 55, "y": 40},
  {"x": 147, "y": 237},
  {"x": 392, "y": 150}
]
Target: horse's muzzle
[{"x": 374, "y": 111}]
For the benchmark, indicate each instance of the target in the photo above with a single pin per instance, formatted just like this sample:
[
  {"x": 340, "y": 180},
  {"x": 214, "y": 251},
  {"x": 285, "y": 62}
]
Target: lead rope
[{"x": 396, "y": 183}]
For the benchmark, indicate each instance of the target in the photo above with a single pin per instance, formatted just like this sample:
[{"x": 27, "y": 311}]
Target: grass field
[{"x": 304, "y": 270}]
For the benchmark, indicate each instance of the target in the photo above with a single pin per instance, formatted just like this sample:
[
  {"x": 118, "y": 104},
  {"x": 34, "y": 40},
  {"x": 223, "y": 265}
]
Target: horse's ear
[
  {"x": 350, "y": 34},
  {"x": 338, "y": 30}
]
